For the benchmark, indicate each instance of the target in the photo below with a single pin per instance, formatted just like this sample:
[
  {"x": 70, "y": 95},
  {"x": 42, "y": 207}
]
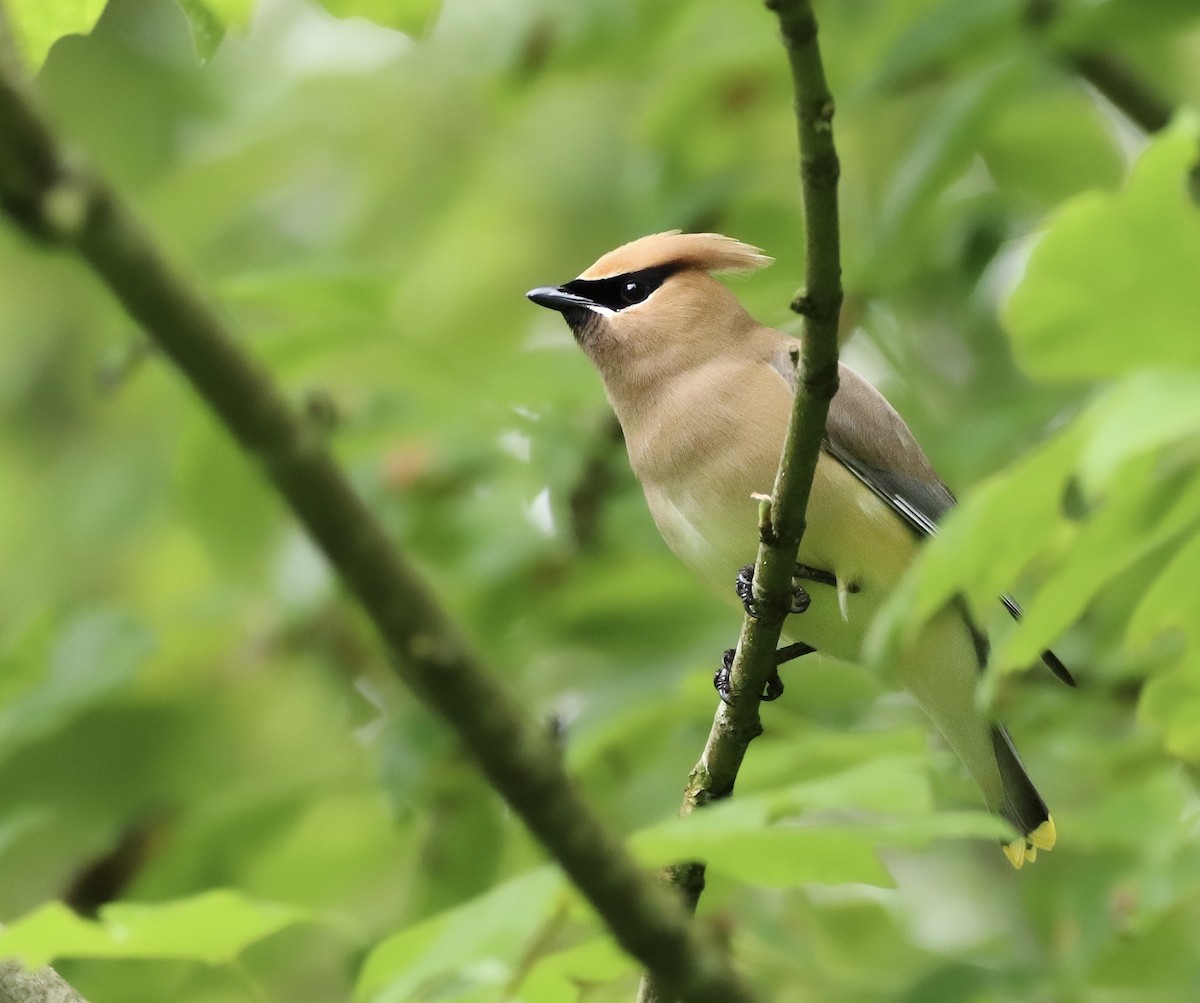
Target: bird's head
[{"x": 654, "y": 298}]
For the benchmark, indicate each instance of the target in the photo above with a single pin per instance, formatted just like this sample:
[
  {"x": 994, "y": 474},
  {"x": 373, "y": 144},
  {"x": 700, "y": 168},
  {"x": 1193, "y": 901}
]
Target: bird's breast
[
  {"x": 704, "y": 445},
  {"x": 709, "y": 519}
]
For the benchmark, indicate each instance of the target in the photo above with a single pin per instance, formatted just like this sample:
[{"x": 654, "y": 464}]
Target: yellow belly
[{"x": 712, "y": 527}]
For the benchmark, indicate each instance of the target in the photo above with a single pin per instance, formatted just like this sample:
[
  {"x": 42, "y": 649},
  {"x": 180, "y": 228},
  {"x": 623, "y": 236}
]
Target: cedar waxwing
[{"x": 703, "y": 394}]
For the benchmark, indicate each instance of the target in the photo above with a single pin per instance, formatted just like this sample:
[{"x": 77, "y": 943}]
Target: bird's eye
[
  {"x": 634, "y": 292},
  {"x": 616, "y": 292}
]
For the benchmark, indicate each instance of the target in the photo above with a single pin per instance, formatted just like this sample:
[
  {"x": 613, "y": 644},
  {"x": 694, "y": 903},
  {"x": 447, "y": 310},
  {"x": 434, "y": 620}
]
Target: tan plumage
[
  {"x": 706, "y": 252},
  {"x": 703, "y": 393}
]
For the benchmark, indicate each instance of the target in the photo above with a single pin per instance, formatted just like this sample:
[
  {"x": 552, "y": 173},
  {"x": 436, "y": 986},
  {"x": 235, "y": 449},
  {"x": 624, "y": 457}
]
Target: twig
[
  {"x": 60, "y": 203},
  {"x": 1105, "y": 72},
  {"x": 782, "y": 520},
  {"x": 595, "y": 484},
  {"x": 43, "y": 986},
  {"x": 1123, "y": 89}
]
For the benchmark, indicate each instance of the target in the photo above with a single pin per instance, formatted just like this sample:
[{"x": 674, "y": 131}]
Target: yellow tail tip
[
  {"x": 1044, "y": 835},
  {"x": 1026, "y": 848}
]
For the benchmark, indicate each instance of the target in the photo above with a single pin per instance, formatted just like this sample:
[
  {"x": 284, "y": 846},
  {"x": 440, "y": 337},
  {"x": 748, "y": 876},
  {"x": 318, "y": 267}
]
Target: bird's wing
[
  {"x": 1053, "y": 663},
  {"x": 866, "y": 435}
]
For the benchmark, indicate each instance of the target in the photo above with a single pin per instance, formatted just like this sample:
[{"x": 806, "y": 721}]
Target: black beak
[{"x": 557, "y": 298}]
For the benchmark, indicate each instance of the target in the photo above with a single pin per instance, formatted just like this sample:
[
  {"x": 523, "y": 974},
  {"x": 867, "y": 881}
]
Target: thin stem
[
  {"x": 737, "y": 724},
  {"x": 43, "y": 986}
]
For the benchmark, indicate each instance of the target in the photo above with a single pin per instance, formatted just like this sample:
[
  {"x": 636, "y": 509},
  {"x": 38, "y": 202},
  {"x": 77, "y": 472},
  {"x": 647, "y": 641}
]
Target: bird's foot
[
  {"x": 773, "y": 690},
  {"x": 798, "y": 598},
  {"x": 723, "y": 677}
]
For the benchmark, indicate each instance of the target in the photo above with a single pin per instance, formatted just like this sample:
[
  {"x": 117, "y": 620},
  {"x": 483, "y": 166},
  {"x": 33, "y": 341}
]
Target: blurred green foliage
[{"x": 201, "y": 749}]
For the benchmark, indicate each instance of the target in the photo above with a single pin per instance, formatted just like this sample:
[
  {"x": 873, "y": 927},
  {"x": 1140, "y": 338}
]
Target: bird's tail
[{"x": 1023, "y": 805}]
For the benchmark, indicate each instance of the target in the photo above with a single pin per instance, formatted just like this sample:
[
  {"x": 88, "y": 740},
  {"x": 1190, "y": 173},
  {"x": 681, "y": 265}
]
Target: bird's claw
[
  {"x": 798, "y": 599},
  {"x": 723, "y": 678},
  {"x": 744, "y": 587}
]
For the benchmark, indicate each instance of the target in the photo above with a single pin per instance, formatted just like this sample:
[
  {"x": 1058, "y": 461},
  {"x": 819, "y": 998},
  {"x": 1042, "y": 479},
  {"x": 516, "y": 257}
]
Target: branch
[
  {"x": 1122, "y": 88},
  {"x": 1106, "y": 73},
  {"x": 43, "y": 986},
  {"x": 781, "y": 521},
  {"x": 59, "y": 202},
  {"x": 595, "y": 485}
]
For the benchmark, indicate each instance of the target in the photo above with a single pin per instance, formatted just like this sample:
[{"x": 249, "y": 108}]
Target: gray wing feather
[
  {"x": 919, "y": 504},
  {"x": 866, "y": 435}
]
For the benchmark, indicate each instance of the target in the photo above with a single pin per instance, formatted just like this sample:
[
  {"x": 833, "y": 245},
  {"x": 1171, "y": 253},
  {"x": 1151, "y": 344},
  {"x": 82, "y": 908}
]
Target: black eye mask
[{"x": 619, "y": 291}]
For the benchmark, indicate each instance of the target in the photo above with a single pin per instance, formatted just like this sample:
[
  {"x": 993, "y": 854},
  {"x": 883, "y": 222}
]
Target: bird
[{"x": 703, "y": 394}]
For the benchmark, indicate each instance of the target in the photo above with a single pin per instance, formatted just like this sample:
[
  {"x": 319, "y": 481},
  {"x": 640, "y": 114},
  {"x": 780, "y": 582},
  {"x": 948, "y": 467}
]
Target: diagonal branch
[
  {"x": 42, "y": 986},
  {"x": 1104, "y": 71},
  {"x": 1123, "y": 88},
  {"x": 59, "y": 202},
  {"x": 781, "y": 520}
]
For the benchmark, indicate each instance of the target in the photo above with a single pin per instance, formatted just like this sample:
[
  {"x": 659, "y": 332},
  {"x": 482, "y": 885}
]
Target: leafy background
[{"x": 199, "y": 742}]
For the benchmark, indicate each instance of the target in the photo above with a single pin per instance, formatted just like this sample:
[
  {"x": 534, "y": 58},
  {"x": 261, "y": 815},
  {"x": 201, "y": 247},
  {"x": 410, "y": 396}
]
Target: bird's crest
[{"x": 709, "y": 252}]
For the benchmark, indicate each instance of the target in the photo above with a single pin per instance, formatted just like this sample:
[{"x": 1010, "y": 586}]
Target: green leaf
[
  {"x": 223, "y": 495},
  {"x": 934, "y": 40},
  {"x": 1172, "y": 602},
  {"x": 1066, "y": 119},
  {"x": 210, "y": 20},
  {"x": 305, "y": 317},
  {"x": 409, "y": 16},
  {"x": 94, "y": 655},
  {"x": 825, "y": 831},
  {"x": 1142, "y": 514},
  {"x": 214, "y": 927},
  {"x": 788, "y": 756},
  {"x": 1106, "y": 456},
  {"x": 1143, "y": 413},
  {"x": 476, "y": 944},
  {"x": 1117, "y": 22},
  {"x": 1171, "y": 703},
  {"x": 1087, "y": 307},
  {"x": 983, "y": 545},
  {"x": 559, "y": 976},
  {"x": 38, "y": 24},
  {"x": 1170, "y": 700},
  {"x": 940, "y": 151},
  {"x": 208, "y": 30}
]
